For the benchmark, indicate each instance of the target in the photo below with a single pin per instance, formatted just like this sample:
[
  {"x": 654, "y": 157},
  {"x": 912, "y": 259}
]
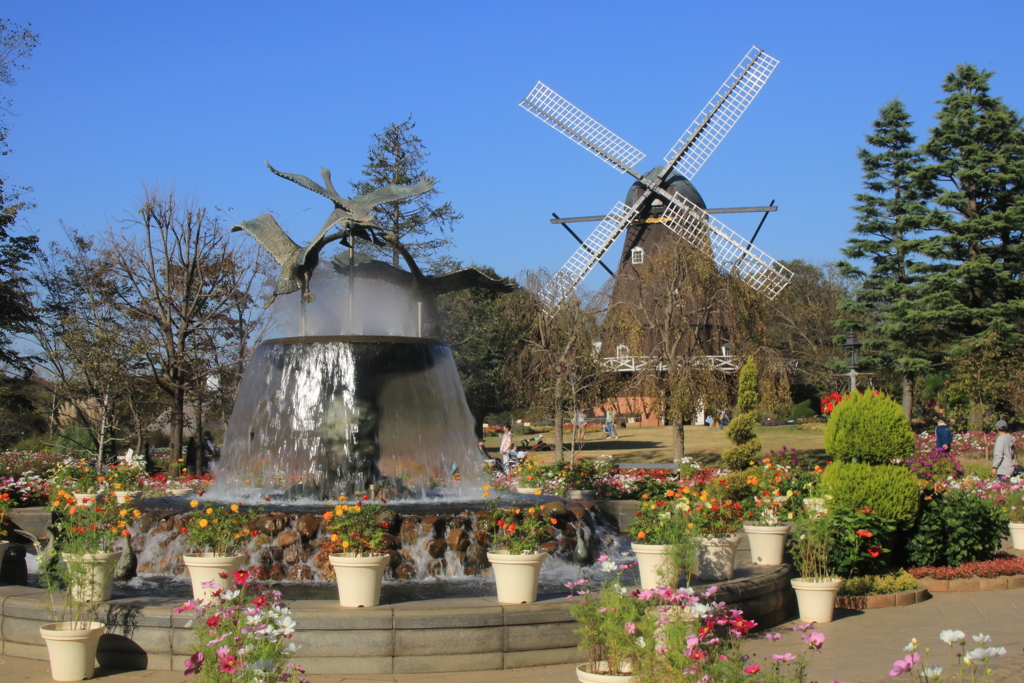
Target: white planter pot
[
  {"x": 531, "y": 491},
  {"x": 206, "y": 567},
  {"x": 581, "y": 494},
  {"x": 178, "y": 492},
  {"x": 717, "y": 557},
  {"x": 815, "y": 505},
  {"x": 1017, "y": 535},
  {"x": 516, "y": 576},
  {"x": 72, "y": 648},
  {"x": 816, "y": 598},
  {"x": 359, "y": 578},
  {"x": 767, "y": 543},
  {"x": 584, "y": 674},
  {"x": 81, "y": 498},
  {"x": 3, "y": 550},
  {"x": 92, "y": 575},
  {"x": 653, "y": 562},
  {"x": 127, "y": 496}
]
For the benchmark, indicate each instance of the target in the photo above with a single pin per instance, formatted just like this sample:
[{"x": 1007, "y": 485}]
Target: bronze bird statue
[{"x": 298, "y": 263}]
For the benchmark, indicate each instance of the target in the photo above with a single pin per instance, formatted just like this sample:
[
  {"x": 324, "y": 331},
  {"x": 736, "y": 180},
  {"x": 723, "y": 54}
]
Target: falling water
[{"x": 323, "y": 416}]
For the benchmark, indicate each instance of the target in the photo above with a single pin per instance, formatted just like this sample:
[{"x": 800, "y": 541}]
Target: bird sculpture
[{"x": 352, "y": 215}]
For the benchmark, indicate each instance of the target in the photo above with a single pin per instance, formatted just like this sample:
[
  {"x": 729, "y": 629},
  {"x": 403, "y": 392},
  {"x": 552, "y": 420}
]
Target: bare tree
[{"x": 680, "y": 309}]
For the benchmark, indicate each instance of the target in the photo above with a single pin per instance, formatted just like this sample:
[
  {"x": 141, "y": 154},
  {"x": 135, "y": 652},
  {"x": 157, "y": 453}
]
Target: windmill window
[
  {"x": 637, "y": 255},
  {"x": 622, "y": 351}
]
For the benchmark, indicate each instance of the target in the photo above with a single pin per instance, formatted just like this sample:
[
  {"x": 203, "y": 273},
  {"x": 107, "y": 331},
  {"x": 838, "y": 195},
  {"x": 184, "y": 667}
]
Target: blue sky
[{"x": 199, "y": 94}]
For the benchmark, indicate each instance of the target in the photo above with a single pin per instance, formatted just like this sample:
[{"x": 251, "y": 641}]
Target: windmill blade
[
  {"x": 732, "y": 253},
  {"x": 563, "y": 116},
  {"x": 586, "y": 257},
  {"x": 723, "y": 111}
]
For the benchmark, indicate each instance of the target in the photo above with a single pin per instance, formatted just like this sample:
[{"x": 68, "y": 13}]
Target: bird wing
[
  {"x": 465, "y": 279},
  {"x": 265, "y": 229},
  {"x": 390, "y": 193},
  {"x": 306, "y": 183}
]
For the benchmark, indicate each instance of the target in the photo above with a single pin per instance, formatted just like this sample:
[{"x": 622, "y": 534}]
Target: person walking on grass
[
  {"x": 1004, "y": 455},
  {"x": 609, "y": 421}
]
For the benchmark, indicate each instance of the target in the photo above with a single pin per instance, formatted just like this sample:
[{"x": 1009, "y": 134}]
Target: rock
[
  {"x": 288, "y": 537},
  {"x": 549, "y": 547},
  {"x": 437, "y": 567},
  {"x": 127, "y": 565},
  {"x": 483, "y": 516},
  {"x": 554, "y": 509},
  {"x": 433, "y": 526},
  {"x": 388, "y": 519},
  {"x": 307, "y": 551},
  {"x": 293, "y": 554},
  {"x": 409, "y": 532},
  {"x": 276, "y": 572},
  {"x": 308, "y": 526},
  {"x": 437, "y": 547},
  {"x": 270, "y": 554},
  {"x": 405, "y": 571},
  {"x": 394, "y": 558},
  {"x": 269, "y": 524},
  {"x": 461, "y": 521},
  {"x": 577, "y": 510},
  {"x": 391, "y": 542},
  {"x": 477, "y": 554},
  {"x": 137, "y": 542},
  {"x": 457, "y": 539},
  {"x": 300, "y": 572},
  {"x": 407, "y": 554}
]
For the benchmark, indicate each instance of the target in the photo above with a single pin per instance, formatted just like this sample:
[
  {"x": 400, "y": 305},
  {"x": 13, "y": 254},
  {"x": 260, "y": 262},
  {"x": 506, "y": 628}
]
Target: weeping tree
[{"x": 679, "y": 310}]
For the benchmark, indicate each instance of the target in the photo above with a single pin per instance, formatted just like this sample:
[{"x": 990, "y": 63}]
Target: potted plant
[
  {"x": 216, "y": 536},
  {"x": 125, "y": 480},
  {"x": 811, "y": 547},
  {"x": 80, "y": 479},
  {"x": 717, "y": 522},
  {"x": 5, "y": 505},
  {"x": 356, "y": 550},
  {"x": 516, "y": 536},
  {"x": 665, "y": 539},
  {"x": 600, "y": 616},
  {"x": 578, "y": 479},
  {"x": 765, "y": 529},
  {"x": 1013, "y": 506},
  {"x": 242, "y": 634}
]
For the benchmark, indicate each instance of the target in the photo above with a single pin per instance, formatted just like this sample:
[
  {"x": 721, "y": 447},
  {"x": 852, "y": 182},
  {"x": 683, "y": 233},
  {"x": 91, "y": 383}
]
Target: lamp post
[{"x": 852, "y": 347}]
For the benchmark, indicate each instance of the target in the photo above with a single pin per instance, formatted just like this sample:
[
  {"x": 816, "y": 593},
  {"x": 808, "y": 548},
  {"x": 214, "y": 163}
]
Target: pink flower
[
  {"x": 630, "y": 627},
  {"x": 814, "y": 640},
  {"x": 788, "y": 657},
  {"x": 772, "y": 636},
  {"x": 902, "y": 666},
  {"x": 194, "y": 664},
  {"x": 752, "y": 669},
  {"x": 805, "y": 627}
]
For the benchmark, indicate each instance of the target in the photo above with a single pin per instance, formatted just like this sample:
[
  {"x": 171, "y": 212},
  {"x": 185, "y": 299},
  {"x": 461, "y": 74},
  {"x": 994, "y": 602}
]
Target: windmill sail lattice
[
  {"x": 721, "y": 113},
  {"x": 732, "y": 253}
]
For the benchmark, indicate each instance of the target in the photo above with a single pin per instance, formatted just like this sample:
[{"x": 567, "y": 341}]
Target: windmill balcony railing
[{"x": 722, "y": 363}]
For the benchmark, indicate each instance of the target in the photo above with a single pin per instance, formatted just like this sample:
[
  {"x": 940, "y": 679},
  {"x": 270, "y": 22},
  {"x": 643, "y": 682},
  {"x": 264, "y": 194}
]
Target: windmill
[{"x": 664, "y": 196}]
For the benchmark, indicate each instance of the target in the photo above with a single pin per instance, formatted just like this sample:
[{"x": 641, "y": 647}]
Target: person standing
[
  {"x": 943, "y": 436},
  {"x": 1004, "y": 455},
  {"x": 609, "y": 420},
  {"x": 508, "y": 453},
  {"x": 581, "y": 427}
]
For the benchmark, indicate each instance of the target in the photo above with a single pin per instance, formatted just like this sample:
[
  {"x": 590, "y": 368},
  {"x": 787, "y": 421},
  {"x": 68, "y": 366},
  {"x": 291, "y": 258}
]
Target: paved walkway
[{"x": 859, "y": 648}]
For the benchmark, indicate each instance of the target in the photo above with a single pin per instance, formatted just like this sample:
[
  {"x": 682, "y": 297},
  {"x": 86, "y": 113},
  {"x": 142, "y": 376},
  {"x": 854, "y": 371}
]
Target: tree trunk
[
  {"x": 177, "y": 421},
  {"x": 102, "y": 432},
  {"x": 559, "y": 455},
  {"x": 679, "y": 442},
  {"x": 908, "y": 395}
]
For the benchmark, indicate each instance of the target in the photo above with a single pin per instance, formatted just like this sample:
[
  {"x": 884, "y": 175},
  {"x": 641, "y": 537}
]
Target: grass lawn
[{"x": 654, "y": 444}]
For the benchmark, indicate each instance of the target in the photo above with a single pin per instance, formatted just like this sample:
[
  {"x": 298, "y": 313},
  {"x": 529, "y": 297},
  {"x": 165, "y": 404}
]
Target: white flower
[
  {"x": 933, "y": 672},
  {"x": 981, "y": 638},
  {"x": 950, "y": 637},
  {"x": 641, "y": 642},
  {"x": 608, "y": 566},
  {"x": 285, "y": 627},
  {"x": 230, "y": 595},
  {"x": 290, "y": 648},
  {"x": 986, "y": 653},
  {"x": 911, "y": 646}
]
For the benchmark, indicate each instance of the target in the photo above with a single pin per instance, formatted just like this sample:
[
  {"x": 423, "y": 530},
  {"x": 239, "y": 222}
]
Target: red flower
[
  {"x": 874, "y": 551},
  {"x": 864, "y": 533},
  {"x": 501, "y": 522},
  {"x": 213, "y": 622},
  {"x": 241, "y": 577},
  {"x": 752, "y": 669}
]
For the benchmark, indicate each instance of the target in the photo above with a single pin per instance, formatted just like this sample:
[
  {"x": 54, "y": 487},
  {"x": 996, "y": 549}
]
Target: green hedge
[
  {"x": 868, "y": 428},
  {"x": 890, "y": 490}
]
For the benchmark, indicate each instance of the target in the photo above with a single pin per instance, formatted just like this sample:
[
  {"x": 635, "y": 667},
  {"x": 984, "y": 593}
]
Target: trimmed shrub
[
  {"x": 956, "y": 527},
  {"x": 748, "y": 446},
  {"x": 891, "y": 491},
  {"x": 870, "y": 428},
  {"x": 879, "y": 585}
]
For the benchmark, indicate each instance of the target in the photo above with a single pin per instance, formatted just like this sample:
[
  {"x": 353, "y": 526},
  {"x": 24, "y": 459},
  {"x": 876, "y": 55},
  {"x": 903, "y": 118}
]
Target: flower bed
[
  {"x": 18, "y": 463},
  {"x": 1004, "y": 564}
]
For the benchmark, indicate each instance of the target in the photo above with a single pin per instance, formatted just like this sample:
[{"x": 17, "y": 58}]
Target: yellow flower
[
  {"x": 334, "y": 538},
  {"x": 117, "y": 486},
  {"x": 234, "y": 507},
  {"x": 344, "y": 544},
  {"x": 338, "y": 510},
  {"x": 136, "y": 514},
  {"x": 194, "y": 503},
  {"x": 487, "y": 487},
  {"x": 486, "y": 493},
  {"x": 531, "y": 511},
  {"x": 123, "y": 513},
  {"x": 122, "y": 524},
  {"x": 342, "y": 497},
  {"x": 203, "y": 523},
  {"x": 209, "y": 511}
]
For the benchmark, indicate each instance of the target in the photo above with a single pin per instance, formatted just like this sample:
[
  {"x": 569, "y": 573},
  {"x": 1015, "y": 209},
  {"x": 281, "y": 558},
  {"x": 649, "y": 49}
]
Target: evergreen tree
[
  {"x": 397, "y": 156},
  {"x": 741, "y": 428},
  {"x": 891, "y": 215},
  {"x": 975, "y": 290}
]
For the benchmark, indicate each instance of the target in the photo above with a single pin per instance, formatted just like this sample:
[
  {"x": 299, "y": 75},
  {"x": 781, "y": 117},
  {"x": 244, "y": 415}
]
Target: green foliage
[
  {"x": 748, "y": 446},
  {"x": 860, "y": 543},
  {"x": 891, "y": 491},
  {"x": 802, "y": 409},
  {"x": 885, "y": 584},
  {"x": 732, "y": 486},
  {"x": 746, "y": 401},
  {"x": 868, "y": 427},
  {"x": 811, "y": 545},
  {"x": 956, "y": 527}
]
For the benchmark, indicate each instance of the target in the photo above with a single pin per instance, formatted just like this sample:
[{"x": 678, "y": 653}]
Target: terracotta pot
[
  {"x": 581, "y": 494},
  {"x": 359, "y": 578},
  {"x": 584, "y": 674},
  {"x": 92, "y": 575},
  {"x": 653, "y": 561},
  {"x": 127, "y": 496},
  {"x": 1017, "y": 535},
  {"x": 516, "y": 576},
  {"x": 767, "y": 543},
  {"x": 717, "y": 557},
  {"x": 816, "y": 598},
  {"x": 206, "y": 567},
  {"x": 72, "y": 648}
]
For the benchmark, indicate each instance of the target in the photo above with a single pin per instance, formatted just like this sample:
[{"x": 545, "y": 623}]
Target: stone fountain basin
[{"x": 398, "y": 636}]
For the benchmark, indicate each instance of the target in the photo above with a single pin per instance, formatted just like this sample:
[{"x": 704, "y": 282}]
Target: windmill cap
[{"x": 1001, "y": 425}]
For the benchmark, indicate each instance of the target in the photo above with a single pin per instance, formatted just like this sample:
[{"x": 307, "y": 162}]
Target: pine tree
[
  {"x": 397, "y": 156},
  {"x": 975, "y": 290},
  {"x": 891, "y": 215}
]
